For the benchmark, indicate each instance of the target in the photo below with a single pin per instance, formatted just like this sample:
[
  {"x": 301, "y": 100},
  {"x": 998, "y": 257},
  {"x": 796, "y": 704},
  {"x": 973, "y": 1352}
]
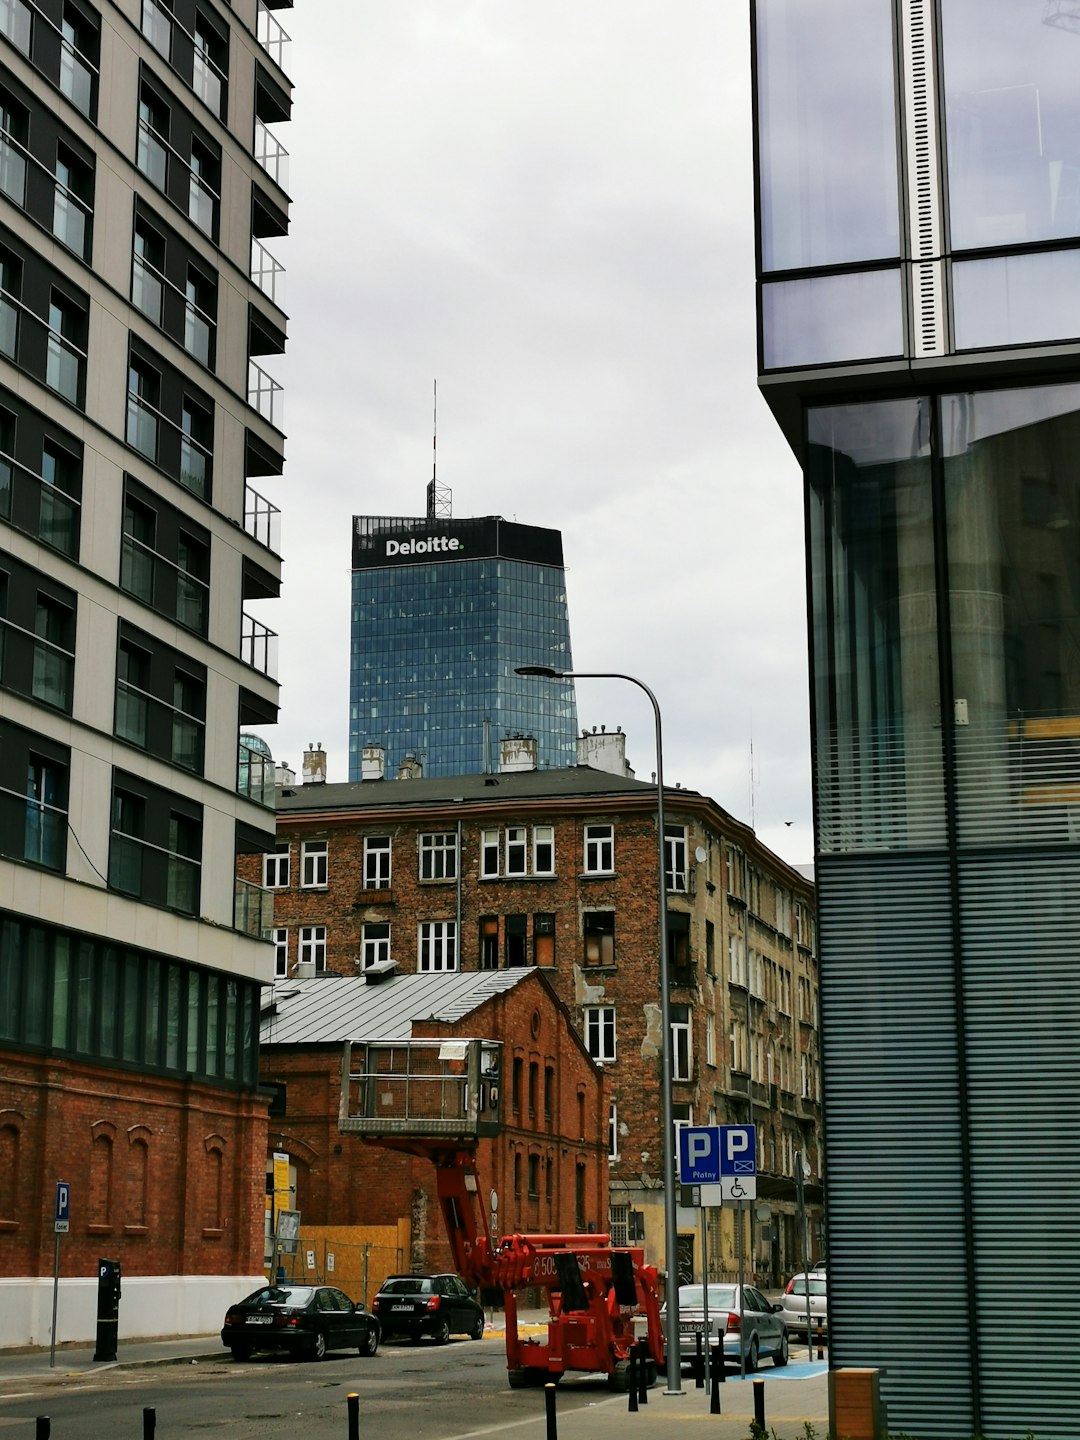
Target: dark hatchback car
[
  {"x": 306, "y": 1320},
  {"x": 437, "y": 1306}
]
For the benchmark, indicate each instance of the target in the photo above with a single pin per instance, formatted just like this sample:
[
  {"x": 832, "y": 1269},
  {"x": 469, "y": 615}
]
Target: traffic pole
[
  {"x": 549, "y": 1407},
  {"x": 353, "y": 1402},
  {"x": 759, "y": 1406}
]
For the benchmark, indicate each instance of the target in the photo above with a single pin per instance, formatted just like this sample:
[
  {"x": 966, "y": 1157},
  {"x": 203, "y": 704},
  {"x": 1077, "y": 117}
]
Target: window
[
  {"x": 681, "y": 1043},
  {"x": 489, "y": 942},
  {"x": 515, "y": 1084},
  {"x": 438, "y": 945},
  {"x": 675, "y": 856},
  {"x": 710, "y": 948},
  {"x": 599, "y": 930},
  {"x": 543, "y": 850},
  {"x": 196, "y": 442},
  {"x": 148, "y": 271},
  {"x": 160, "y": 699},
  {"x": 65, "y": 351},
  {"x": 313, "y": 947},
  {"x": 40, "y": 477},
  {"x": 14, "y": 131},
  {"x": 489, "y": 853},
  {"x": 374, "y": 942},
  {"x": 710, "y": 1039},
  {"x": 516, "y": 952},
  {"x": 208, "y": 65},
  {"x": 73, "y": 191},
  {"x": 534, "y": 1177},
  {"x": 155, "y": 846},
  {"x": 599, "y": 849},
  {"x": 165, "y": 559},
  {"x": 376, "y": 862},
  {"x": 180, "y": 158},
  {"x": 680, "y": 964},
  {"x": 143, "y": 404},
  {"x": 33, "y": 797},
  {"x": 549, "y": 1092},
  {"x": 200, "y": 311},
  {"x": 600, "y": 1032},
  {"x": 517, "y": 1174},
  {"x": 276, "y": 868},
  {"x": 543, "y": 939},
  {"x": 438, "y": 856},
  {"x": 516, "y": 850},
  {"x": 736, "y": 960},
  {"x": 314, "y": 863},
  {"x": 157, "y": 27},
  {"x": 203, "y": 189},
  {"x": 281, "y": 953},
  {"x": 37, "y": 634},
  {"x": 737, "y": 1048},
  {"x": 613, "y": 1134},
  {"x": 534, "y": 1077},
  {"x": 15, "y": 17},
  {"x": 152, "y": 151},
  {"x": 79, "y": 49}
]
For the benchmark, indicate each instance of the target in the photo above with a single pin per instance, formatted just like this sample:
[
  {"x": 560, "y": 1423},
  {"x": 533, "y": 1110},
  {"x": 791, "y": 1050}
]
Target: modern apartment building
[
  {"x": 140, "y": 174},
  {"x": 918, "y": 203},
  {"x": 557, "y": 869},
  {"x": 442, "y": 611}
]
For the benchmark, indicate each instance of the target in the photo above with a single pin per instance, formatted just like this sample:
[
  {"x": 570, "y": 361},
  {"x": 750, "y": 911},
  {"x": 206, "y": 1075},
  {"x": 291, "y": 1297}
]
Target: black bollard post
[
  {"x": 759, "y": 1406},
  {"x": 699, "y": 1363},
  {"x": 632, "y": 1380},
  {"x": 643, "y": 1372},
  {"x": 714, "y": 1389},
  {"x": 718, "y": 1362},
  {"x": 353, "y": 1402},
  {"x": 41, "y": 1428},
  {"x": 549, "y": 1407},
  {"x": 820, "y": 1342},
  {"x": 149, "y": 1422}
]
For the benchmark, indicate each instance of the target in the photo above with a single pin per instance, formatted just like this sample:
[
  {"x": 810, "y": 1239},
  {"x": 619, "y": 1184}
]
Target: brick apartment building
[
  {"x": 556, "y": 869},
  {"x": 548, "y": 1164}
]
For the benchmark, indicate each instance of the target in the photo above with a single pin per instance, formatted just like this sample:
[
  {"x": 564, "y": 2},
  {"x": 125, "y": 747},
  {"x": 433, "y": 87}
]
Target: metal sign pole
[
  {"x": 739, "y": 1207},
  {"x": 55, "y": 1293}
]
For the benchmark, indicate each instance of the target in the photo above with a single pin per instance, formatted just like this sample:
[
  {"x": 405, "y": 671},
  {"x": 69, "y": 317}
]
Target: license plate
[
  {"x": 692, "y": 1329},
  {"x": 260, "y": 1319},
  {"x": 407, "y": 1309}
]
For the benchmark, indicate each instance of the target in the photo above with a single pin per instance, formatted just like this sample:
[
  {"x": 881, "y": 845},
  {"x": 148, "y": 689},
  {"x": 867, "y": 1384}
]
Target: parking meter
[{"x": 108, "y": 1309}]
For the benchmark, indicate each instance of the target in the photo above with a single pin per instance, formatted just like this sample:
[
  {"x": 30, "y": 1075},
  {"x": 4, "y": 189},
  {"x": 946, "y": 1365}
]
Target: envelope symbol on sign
[{"x": 744, "y": 1167}]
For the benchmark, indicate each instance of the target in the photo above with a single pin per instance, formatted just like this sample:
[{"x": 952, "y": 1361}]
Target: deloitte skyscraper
[{"x": 442, "y": 612}]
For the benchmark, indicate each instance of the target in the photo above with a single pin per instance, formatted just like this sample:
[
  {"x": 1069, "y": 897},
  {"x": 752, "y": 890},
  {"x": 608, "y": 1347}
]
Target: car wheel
[
  {"x": 370, "y": 1342},
  {"x": 752, "y": 1355},
  {"x": 441, "y": 1333},
  {"x": 241, "y": 1352},
  {"x": 780, "y": 1357},
  {"x": 318, "y": 1346},
  {"x": 477, "y": 1331}
]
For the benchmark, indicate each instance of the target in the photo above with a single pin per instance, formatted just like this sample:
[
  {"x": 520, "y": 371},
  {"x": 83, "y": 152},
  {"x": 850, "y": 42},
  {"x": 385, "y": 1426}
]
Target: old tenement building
[{"x": 557, "y": 869}]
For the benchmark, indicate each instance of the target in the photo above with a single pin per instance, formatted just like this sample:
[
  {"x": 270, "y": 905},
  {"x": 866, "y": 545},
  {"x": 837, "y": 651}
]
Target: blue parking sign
[
  {"x": 699, "y": 1154},
  {"x": 738, "y": 1150}
]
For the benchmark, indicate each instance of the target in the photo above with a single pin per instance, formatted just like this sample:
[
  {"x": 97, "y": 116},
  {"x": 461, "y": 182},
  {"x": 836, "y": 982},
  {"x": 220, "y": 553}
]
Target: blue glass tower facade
[
  {"x": 919, "y": 312},
  {"x": 442, "y": 612}
]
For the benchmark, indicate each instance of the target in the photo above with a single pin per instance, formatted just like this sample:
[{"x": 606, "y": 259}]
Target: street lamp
[{"x": 671, "y": 1221}]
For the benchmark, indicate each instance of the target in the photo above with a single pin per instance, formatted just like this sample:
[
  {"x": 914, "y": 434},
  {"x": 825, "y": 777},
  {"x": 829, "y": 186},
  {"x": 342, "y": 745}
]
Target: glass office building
[
  {"x": 918, "y": 205},
  {"x": 442, "y": 612}
]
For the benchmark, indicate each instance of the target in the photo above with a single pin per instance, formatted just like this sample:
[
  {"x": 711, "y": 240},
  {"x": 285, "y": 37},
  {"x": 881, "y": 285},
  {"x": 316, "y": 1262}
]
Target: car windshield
[
  {"x": 692, "y": 1297},
  {"x": 280, "y": 1295},
  {"x": 817, "y": 1287},
  {"x": 408, "y": 1285}
]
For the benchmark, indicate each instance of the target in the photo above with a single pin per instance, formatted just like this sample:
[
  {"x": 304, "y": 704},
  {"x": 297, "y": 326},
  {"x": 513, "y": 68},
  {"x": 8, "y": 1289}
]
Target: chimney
[
  {"x": 604, "y": 751},
  {"x": 315, "y": 764},
  {"x": 284, "y": 775},
  {"x": 517, "y": 752},
  {"x": 372, "y": 762},
  {"x": 410, "y": 768}
]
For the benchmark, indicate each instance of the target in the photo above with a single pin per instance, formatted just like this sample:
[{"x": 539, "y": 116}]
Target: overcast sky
[{"x": 548, "y": 209}]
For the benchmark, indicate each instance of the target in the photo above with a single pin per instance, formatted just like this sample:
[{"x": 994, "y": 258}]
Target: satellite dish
[{"x": 701, "y": 854}]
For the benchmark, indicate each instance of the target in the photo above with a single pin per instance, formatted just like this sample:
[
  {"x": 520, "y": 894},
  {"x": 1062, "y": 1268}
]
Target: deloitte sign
[{"x": 434, "y": 545}]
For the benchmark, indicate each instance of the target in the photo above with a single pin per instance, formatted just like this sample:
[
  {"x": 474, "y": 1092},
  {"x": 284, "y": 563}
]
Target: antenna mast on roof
[{"x": 439, "y": 497}]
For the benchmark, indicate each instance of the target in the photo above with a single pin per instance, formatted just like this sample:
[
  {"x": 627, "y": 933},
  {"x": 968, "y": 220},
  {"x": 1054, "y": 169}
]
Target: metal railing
[
  {"x": 15, "y": 23},
  {"x": 255, "y": 776},
  {"x": 271, "y": 154},
  {"x": 76, "y": 75},
  {"x": 58, "y": 513},
  {"x": 266, "y": 395},
  {"x": 262, "y": 520},
  {"x": 258, "y": 645},
  {"x": 139, "y": 564},
  {"x": 253, "y": 909},
  {"x": 273, "y": 37},
  {"x": 267, "y": 272},
  {"x": 440, "y": 1088}
]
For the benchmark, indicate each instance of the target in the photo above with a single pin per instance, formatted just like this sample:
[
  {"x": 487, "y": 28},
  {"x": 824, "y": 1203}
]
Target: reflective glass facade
[
  {"x": 436, "y": 634},
  {"x": 943, "y": 516}
]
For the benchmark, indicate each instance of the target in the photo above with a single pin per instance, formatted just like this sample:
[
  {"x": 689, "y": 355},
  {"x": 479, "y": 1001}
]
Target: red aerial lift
[{"x": 437, "y": 1106}]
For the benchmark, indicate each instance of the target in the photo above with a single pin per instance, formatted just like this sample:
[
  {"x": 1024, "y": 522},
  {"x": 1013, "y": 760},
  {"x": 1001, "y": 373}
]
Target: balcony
[
  {"x": 253, "y": 909},
  {"x": 258, "y": 646},
  {"x": 267, "y": 272},
  {"x": 439, "y": 1089},
  {"x": 262, "y": 520},
  {"x": 15, "y": 23},
  {"x": 271, "y": 155},
  {"x": 273, "y": 37},
  {"x": 266, "y": 395},
  {"x": 255, "y": 776}
]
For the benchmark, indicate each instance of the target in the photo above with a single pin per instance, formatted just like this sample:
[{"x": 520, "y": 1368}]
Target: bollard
[
  {"x": 41, "y": 1430},
  {"x": 353, "y": 1402},
  {"x": 632, "y": 1380},
  {"x": 549, "y": 1407},
  {"x": 820, "y": 1342},
  {"x": 699, "y": 1363},
  {"x": 714, "y": 1391},
  {"x": 719, "y": 1362},
  {"x": 759, "y": 1406},
  {"x": 149, "y": 1422},
  {"x": 643, "y": 1372}
]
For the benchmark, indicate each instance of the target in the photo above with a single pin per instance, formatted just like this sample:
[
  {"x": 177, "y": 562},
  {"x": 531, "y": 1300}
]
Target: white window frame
[
  {"x": 517, "y": 850},
  {"x": 276, "y": 868},
  {"x": 280, "y": 937},
  {"x": 437, "y": 855},
  {"x": 682, "y": 1046},
  {"x": 675, "y": 865},
  {"x": 313, "y": 947},
  {"x": 599, "y": 849},
  {"x": 710, "y": 1039},
  {"x": 377, "y": 862},
  {"x": 436, "y": 950},
  {"x": 489, "y": 854},
  {"x": 601, "y": 1038},
  {"x": 314, "y": 864},
  {"x": 613, "y": 1130},
  {"x": 543, "y": 838},
  {"x": 374, "y": 948}
]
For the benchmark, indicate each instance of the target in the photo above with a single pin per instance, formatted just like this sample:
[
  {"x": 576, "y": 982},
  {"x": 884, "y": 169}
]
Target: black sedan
[
  {"x": 437, "y": 1306},
  {"x": 305, "y": 1320}
]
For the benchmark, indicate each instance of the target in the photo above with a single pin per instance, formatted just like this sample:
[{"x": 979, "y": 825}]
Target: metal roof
[{"x": 329, "y": 1009}]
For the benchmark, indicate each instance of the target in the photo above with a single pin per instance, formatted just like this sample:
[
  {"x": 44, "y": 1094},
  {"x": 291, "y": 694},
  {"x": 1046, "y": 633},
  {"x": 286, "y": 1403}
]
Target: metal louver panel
[
  {"x": 1022, "y": 1003},
  {"x": 880, "y": 789},
  {"x": 894, "y": 1177},
  {"x": 923, "y": 183},
  {"x": 1018, "y": 782}
]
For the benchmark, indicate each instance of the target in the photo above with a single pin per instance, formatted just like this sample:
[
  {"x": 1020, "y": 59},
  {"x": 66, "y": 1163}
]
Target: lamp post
[{"x": 671, "y": 1222}]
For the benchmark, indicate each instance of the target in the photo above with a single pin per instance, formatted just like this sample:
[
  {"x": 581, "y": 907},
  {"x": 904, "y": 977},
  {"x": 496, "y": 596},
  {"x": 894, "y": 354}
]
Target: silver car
[
  {"x": 756, "y": 1322},
  {"x": 806, "y": 1291}
]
